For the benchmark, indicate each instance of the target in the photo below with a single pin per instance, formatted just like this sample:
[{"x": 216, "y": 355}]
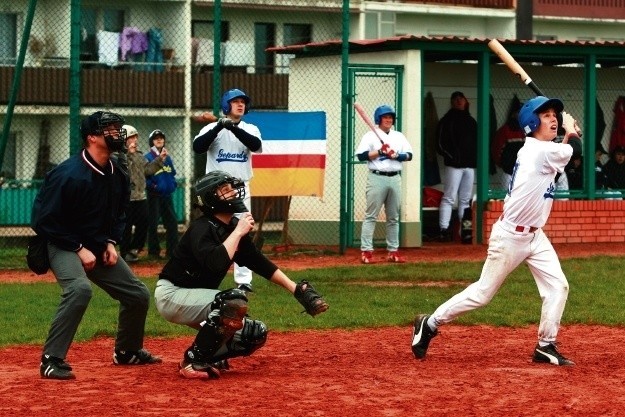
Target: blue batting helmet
[
  {"x": 231, "y": 95},
  {"x": 381, "y": 111},
  {"x": 528, "y": 115}
]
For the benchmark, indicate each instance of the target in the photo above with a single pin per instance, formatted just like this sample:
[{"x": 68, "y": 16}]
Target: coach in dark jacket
[{"x": 457, "y": 143}]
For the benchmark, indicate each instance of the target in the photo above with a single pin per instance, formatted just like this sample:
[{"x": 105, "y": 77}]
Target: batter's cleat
[
  {"x": 395, "y": 257},
  {"x": 194, "y": 370},
  {"x": 421, "y": 336},
  {"x": 55, "y": 368},
  {"x": 366, "y": 257},
  {"x": 550, "y": 354},
  {"x": 136, "y": 357}
]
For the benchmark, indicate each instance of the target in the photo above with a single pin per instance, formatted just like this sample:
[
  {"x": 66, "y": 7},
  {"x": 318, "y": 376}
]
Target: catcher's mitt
[{"x": 307, "y": 296}]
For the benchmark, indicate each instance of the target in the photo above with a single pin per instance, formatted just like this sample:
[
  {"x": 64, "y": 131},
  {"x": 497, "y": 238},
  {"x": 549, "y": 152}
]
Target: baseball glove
[{"x": 308, "y": 297}]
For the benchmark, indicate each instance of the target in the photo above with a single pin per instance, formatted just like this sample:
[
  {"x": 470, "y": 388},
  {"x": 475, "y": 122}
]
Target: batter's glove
[
  {"x": 226, "y": 123},
  {"x": 308, "y": 297}
]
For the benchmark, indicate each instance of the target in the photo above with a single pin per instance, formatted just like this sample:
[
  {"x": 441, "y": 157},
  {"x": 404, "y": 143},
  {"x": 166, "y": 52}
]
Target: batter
[{"x": 518, "y": 236}]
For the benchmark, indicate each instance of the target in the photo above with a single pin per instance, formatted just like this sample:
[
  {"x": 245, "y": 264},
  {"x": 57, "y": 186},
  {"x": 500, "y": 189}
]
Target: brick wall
[{"x": 574, "y": 221}]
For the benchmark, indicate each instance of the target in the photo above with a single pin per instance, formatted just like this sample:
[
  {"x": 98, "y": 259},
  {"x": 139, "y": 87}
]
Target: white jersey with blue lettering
[
  {"x": 229, "y": 154},
  {"x": 532, "y": 186}
]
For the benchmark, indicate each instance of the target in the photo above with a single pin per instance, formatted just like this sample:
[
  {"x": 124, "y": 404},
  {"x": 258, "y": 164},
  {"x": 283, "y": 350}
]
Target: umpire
[{"x": 80, "y": 211}]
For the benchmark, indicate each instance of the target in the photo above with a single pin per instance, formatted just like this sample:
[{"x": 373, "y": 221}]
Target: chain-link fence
[{"x": 159, "y": 64}]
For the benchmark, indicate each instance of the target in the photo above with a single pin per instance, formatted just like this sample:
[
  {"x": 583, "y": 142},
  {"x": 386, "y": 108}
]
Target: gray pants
[
  {"x": 382, "y": 191},
  {"x": 187, "y": 306},
  {"x": 118, "y": 281}
]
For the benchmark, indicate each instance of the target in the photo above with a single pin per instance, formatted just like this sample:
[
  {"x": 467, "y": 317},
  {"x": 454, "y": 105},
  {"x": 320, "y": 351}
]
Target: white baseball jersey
[
  {"x": 396, "y": 140},
  {"x": 532, "y": 186},
  {"x": 228, "y": 154}
]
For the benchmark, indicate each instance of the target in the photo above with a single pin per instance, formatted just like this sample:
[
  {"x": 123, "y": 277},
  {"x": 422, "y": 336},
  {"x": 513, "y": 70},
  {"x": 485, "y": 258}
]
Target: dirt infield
[{"x": 469, "y": 371}]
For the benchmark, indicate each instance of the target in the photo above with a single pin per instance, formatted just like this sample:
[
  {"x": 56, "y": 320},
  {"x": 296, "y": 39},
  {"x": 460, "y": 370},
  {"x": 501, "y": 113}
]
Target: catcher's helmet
[
  {"x": 528, "y": 115},
  {"x": 209, "y": 200},
  {"x": 154, "y": 134},
  {"x": 231, "y": 95},
  {"x": 381, "y": 111},
  {"x": 102, "y": 123}
]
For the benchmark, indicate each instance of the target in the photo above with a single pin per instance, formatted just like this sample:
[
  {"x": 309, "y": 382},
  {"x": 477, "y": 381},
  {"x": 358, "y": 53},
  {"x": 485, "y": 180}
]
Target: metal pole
[
  {"x": 344, "y": 221},
  {"x": 17, "y": 76},
  {"x": 75, "y": 141}
]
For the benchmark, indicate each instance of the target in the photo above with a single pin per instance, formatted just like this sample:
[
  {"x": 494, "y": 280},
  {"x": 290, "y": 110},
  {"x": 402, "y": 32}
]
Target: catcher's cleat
[
  {"x": 550, "y": 354},
  {"x": 366, "y": 257},
  {"x": 421, "y": 336},
  {"x": 55, "y": 368},
  {"x": 136, "y": 357},
  {"x": 395, "y": 257},
  {"x": 193, "y": 370}
]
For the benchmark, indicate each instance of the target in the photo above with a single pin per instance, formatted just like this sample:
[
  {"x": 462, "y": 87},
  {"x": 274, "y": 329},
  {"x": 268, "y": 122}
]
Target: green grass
[{"x": 359, "y": 296}]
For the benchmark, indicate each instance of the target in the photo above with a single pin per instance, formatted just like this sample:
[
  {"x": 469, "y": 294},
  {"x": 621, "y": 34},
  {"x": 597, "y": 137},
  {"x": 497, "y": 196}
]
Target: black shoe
[
  {"x": 55, "y": 368},
  {"x": 421, "y": 336},
  {"x": 550, "y": 354},
  {"x": 445, "y": 236},
  {"x": 137, "y": 357},
  {"x": 222, "y": 365}
]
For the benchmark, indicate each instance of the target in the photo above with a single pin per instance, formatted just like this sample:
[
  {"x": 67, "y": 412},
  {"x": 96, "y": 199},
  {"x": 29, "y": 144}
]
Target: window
[
  {"x": 94, "y": 20},
  {"x": 8, "y": 34},
  {"x": 206, "y": 29},
  {"x": 264, "y": 37},
  {"x": 295, "y": 34},
  {"x": 379, "y": 25}
]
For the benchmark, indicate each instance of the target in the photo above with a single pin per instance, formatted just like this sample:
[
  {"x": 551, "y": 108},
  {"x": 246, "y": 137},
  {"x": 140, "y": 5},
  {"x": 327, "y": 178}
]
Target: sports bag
[{"x": 37, "y": 255}]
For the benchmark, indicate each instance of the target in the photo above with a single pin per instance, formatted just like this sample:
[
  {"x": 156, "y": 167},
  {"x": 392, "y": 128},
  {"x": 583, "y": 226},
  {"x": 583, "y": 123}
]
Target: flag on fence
[{"x": 294, "y": 154}]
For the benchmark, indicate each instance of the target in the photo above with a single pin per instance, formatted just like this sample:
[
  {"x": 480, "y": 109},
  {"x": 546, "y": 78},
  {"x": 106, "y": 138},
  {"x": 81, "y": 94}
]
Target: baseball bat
[
  {"x": 517, "y": 70},
  {"x": 363, "y": 115},
  {"x": 513, "y": 66}
]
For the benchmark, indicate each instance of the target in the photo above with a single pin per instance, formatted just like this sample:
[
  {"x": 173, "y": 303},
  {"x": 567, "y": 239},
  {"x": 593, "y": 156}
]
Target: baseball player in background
[
  {"x": 457, "y": 144},
  {"x": 518, "y": 236},
  {"x": 229, "y": 143},
  {"x": 187, "y": 291},
  {"x": 384, "y": 161}
]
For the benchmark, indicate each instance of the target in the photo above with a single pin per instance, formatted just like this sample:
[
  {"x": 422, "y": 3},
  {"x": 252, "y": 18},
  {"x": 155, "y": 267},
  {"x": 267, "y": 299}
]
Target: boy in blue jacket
[{"x": 160, "y": 187}]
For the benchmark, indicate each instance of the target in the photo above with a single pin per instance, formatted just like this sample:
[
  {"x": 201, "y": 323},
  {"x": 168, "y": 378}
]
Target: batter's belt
[{"x": 518, "y": 227}]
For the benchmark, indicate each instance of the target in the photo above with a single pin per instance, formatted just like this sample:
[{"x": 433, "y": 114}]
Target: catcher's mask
[
  {"x": 107, "y": 124},
  {"x": 528, "y": 115},
  {"x": 212, "y": 198}
]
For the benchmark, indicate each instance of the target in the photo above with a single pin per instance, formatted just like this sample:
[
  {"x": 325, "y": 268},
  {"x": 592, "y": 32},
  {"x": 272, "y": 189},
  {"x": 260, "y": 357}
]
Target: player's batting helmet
[
  {"x": 230, "y": 95},
  {"x": 381, "y": 111},
  {"x": 528, "y": 115},
  {"x": 210, "y": 201}
]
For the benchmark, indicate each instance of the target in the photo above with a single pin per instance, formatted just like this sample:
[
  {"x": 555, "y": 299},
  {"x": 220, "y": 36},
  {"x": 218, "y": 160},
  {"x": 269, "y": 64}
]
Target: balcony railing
[
  {"x": 129, "y": 88},
  {"x": 596, "y": 9},
  {"x": 492, "y": 4}
]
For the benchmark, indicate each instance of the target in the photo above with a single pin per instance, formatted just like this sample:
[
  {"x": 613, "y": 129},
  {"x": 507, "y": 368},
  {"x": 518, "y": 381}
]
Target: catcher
[{"x": 187, "y": 290}]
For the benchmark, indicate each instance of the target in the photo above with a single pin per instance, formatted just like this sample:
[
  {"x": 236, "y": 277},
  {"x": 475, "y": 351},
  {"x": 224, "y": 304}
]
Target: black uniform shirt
[{"x": 201, "y": 261}]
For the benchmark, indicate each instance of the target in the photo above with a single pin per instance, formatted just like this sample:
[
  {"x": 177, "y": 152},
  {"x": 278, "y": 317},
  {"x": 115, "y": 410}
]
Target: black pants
[
  {"x": 137, "y": 216},
  {"x": 161, "y": 207}
]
